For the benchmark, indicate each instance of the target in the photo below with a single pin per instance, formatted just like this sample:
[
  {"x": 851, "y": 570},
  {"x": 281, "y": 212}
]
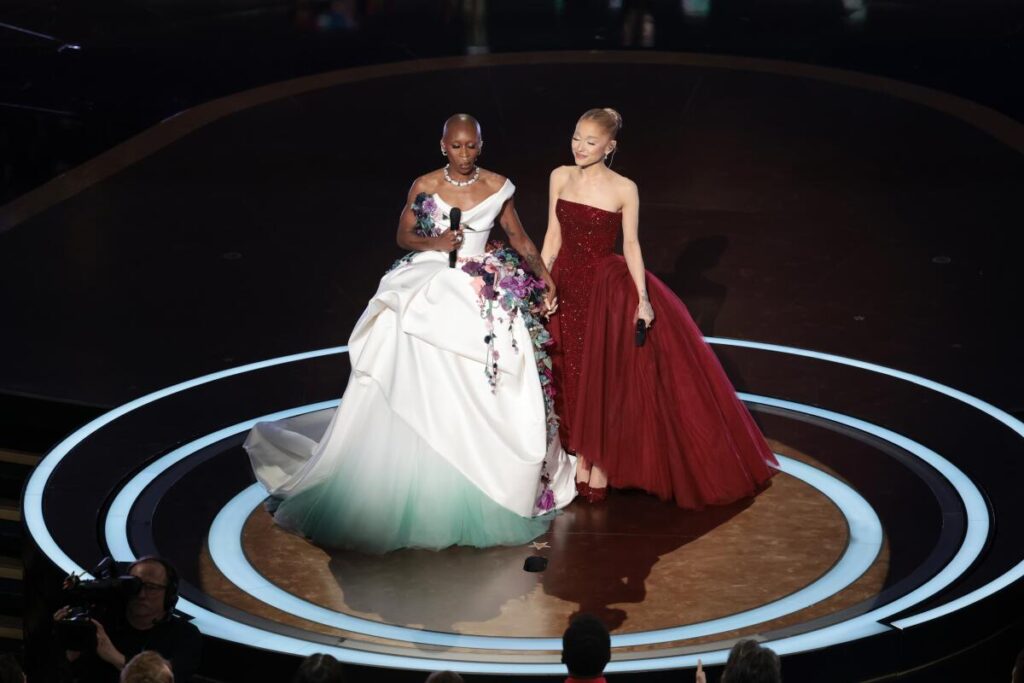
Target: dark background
[{"x": 141, "y": 61}]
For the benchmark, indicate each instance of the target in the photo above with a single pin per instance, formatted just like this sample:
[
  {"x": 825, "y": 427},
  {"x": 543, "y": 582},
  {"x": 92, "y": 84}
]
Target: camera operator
[{"x": 145, "y": 622}]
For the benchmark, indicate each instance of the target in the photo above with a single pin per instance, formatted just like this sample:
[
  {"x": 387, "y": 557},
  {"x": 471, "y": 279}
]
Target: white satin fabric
[{"x": 418, "y": 386}]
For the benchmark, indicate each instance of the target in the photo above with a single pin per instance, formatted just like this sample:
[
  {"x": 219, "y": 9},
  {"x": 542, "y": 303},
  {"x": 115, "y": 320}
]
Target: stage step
[
  {"x": 11, "y": 628},
  {"x": 10, "y": 510},
  {"x": 11, "y": 538},
  {"x": 13, "y": 457},
  {"x": 15, "y": 468},
  {"x": 29, "y": 427},
  {"x": 32, "y": 425},
  {"x": 11, "y": 568},
  {"x": 12, "y": 597}
]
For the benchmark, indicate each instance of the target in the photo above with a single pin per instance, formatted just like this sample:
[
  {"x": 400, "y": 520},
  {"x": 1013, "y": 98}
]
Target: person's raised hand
[{"x": 701, "y": 676}]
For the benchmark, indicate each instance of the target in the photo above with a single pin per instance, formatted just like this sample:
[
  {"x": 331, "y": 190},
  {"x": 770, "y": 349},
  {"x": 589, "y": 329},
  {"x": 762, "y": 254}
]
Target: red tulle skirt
[{"x": 662, "y": 417}]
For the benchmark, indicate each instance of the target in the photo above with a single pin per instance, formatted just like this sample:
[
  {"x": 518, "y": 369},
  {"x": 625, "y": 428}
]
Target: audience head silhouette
[
  {"x": 444, "y": 677},
  {"x": 750, "y": 663},
  {"x": 319, "y": 668},
  {"x": 586, "y": 647},
  {"x": 10, "y": 669},
  {"x": 147, "y": 667}
]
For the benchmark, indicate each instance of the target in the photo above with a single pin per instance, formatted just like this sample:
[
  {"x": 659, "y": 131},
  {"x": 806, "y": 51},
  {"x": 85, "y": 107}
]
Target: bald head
[
  {"x": 461, "y": 144},
  {"x": 461, "y": 122}
]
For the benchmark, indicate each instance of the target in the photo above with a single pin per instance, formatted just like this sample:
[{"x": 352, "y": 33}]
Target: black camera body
[
  {"x": 76, "y": 631},
  {"x": 102, "y": 598}
]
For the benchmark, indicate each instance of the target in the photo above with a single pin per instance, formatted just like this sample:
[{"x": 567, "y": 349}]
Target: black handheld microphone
[
  {"x": 456, "y": 217},
  {"x": 641, "y": 332}
]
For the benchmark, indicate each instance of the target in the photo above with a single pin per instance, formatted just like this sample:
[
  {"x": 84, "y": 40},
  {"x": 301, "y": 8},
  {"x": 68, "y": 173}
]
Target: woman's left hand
[{"x": 645, "y": 312}]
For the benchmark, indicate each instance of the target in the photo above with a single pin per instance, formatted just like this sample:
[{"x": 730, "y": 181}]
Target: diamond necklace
[{"x": 461, "y": 183}]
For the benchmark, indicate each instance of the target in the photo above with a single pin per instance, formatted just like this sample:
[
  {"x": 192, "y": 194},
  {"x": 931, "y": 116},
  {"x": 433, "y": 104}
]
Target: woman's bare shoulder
[
  {"x": 492, "y": 180},
  {"x": 561, "y": 173},
  {"x": 560, "y": 177},
  {"x": 624, "y": 187},
  {"x": 428, "y": 182}
]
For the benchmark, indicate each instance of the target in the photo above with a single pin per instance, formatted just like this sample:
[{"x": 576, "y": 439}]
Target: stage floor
[{"x": 866, "y": 530}]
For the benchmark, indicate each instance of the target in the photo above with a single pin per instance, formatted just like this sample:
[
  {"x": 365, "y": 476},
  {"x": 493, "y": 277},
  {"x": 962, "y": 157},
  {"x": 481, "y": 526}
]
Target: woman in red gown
[{"x": 662, "y": 417}]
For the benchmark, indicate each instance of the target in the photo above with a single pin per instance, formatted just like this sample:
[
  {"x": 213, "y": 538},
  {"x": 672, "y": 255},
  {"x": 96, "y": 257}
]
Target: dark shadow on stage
[
  {"x": 603, "y": 554},
  {"x": 598, "y": 556}
]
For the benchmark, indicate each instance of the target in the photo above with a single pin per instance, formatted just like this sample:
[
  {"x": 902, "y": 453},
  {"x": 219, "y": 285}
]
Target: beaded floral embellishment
[
  {"x": 505, "y": 283},
  {"x": 428, "y": 220}
]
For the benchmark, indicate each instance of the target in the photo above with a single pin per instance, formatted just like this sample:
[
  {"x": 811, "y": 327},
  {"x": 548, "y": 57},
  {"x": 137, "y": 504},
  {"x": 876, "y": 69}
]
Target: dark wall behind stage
[{"x": 77, "y": 78}]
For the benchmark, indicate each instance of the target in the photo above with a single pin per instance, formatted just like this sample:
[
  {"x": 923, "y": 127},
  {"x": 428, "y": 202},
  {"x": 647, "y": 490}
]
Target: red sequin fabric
[{"x": 588, "y": 236}]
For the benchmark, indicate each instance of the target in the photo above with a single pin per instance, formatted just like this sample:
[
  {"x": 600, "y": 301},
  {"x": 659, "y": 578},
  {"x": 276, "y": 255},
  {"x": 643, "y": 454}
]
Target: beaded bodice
[{"x": 588, "y": 232}]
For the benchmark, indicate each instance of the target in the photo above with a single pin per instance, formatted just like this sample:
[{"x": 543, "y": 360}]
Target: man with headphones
[{"x": 148, "y": 623}]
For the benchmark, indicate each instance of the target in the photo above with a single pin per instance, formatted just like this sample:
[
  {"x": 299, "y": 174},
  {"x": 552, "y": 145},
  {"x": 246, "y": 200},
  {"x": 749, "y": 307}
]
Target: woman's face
[
  {"x": 463, "y": 144},
  {"x": 590, "y": 143}
]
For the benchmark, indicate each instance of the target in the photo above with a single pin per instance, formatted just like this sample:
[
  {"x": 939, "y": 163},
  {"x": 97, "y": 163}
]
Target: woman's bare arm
[
  {"x": 553, "y": 235},
  {"x": 407, "y": 237},
  {"x": 521, "y": 242},
  {"x": 631, "y": 249}
]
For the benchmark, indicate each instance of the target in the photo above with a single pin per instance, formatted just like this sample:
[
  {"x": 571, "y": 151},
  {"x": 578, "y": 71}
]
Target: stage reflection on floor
[{"x": 638, "y": 563}]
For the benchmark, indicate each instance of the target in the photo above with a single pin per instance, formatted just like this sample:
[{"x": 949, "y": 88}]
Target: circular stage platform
[{"x": 866, "y": 530}]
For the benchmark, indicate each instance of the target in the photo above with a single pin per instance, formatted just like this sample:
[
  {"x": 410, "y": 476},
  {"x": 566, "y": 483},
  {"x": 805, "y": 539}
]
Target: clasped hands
[
  {"x": 550, "y": 301},
  {"x": 450, "y": 240}
]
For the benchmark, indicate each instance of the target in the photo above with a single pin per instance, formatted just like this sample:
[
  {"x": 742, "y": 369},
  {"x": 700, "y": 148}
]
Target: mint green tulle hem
[{"x": 423, "y": 502}]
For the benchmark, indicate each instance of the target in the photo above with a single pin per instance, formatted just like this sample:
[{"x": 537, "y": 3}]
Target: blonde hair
[
  {"x": 147, "y": 667},
  {"x": 607, "y": 118}
]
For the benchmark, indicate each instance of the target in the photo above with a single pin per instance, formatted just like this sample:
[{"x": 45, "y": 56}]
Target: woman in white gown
[{"x": 446, "y": 434}]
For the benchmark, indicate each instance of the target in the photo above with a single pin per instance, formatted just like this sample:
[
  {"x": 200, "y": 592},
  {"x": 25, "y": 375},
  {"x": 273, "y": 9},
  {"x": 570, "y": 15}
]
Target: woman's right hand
[{"x": 448, "y": 240}]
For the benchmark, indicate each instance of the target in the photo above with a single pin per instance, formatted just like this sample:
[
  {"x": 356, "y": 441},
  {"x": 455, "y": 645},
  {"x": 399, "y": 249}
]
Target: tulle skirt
[
  {"x": 662, "y": 417},
  {"x": 390, "y": 491}
]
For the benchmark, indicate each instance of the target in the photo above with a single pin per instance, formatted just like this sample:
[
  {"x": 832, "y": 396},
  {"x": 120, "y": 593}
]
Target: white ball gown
[{"x": 445, "y": 434}]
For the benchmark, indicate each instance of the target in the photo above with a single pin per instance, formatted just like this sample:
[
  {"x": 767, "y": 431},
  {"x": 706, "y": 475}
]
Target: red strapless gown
[{"x": 662, "y": 417}]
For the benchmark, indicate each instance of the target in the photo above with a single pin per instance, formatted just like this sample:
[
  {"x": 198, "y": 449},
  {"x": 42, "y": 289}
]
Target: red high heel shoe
[
  {"x": 595, "y": 495},
  {"x": 582, "y": 489}
]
